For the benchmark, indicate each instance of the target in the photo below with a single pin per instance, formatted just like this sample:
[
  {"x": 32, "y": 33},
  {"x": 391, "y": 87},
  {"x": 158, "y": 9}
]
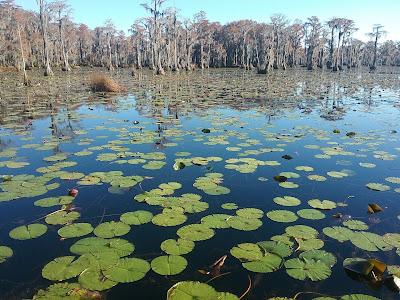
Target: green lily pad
[
  {"x": 284, "y": 216},
  {"x": 355, "y": 225},
  {"x": 316, "y": 177},
  {"x": 65, "y": 267},
  {"x": 169, "y": 219},
  {"x": 195, "y": 232},
  {"x": 304, "y": 168},
  {"x": 138, "y": 217},
  {"x": 338, "y": 233},
  {"x": 288, "y": 185},
  {"x": 5, "y": 253},
  {"x": 127, "y": 270},
  {"x": 395, "y": 180},
  {"x": 177, "y": 247},
  {"x": 311, "y": 214},
  {"x": 358, "y": 297},
  {"x": 268, "y": 263},
  {"x": 111, "y": 229},
  {"x": 369, "y": 241},
  {"x": 336, "y": 174},
  {"x": 244, "y": 224},
  {"x": 62, "y": 217},
  {"x": 379, "y": 187},
  {"x": 392, "y": 239},
  {"x": 216, "y": 221},
  {"x": 75, "y": 230},
  {"x": 276, "y": 247},
  {"x": 154, "y": 165},
  {"x": 324, "y": 204},
  {"x": 301, "y": 231},
  {"x": 192, "y": 290},
  {"x": 287, "y": 201},
  {"x": 247, "y": 252},
  {"x": 168, "y": 264},
  {"x": 250, "y": 213},
  {"x": 319, "y": 255},
  {"x": 28, "y": 232},
  {"x": 53, "y": 201},
  {"x": 229, "y": 206},
  {"x": 303, "y": 269},
  {"x": 367, "y": 165},
  {"x": 96, "y": 245},
  {"x": 93, "y": 278},
  {"x": 64, "y": 291},
  {"x": 309, "y": 244}
]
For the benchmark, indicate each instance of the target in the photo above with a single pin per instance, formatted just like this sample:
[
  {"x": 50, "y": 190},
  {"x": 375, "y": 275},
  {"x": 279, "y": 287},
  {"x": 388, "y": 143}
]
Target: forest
[{"x": 164, "y": 41}]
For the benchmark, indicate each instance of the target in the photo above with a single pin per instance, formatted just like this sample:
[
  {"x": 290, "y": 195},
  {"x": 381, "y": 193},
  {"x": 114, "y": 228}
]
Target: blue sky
[{"x": 124, "y": 12}]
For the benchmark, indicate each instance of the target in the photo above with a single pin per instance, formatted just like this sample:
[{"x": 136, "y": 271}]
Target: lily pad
[
  {"x": 138, "y": 217},
  {"x": 244, "y": 224},
  {"x": 247, "y": 252},
  {"x": 319, "y": 255},
  {"x": 279, "y": 248},
  {"x": 75, "y": 230},
  {"x": 216, "y": 221},
  {"x": 65, "y": 267},
  {"x": 311, "y": 214},
  {"x": 127, "y": 270},
  {"x": 301, "y": 231},
  {"x": 355, "y": 225},
  {"x": 287, "y": 201},
  {"x": 65, "y": 291},
  {"x": 191, "y": 290},
  {"x": 309, "y": 244},
  {"x": 268, "y": 263},
  {"x": 392, "y": 239},
  {"x": 111, "y": 229},
  {"x": 5, "y": 253},
  {"x": 229, "y": 206},
  {"x": 369, "y": 241},
  {"x": 338, "y": 233},
  {"x": 177, "y": 247},
  {"x": 303, "y": 269},
  {"x": 168, "y": 264},
  {"x": 284, "y": 216},
  {"x": 195, "y": 232},
  {"x": 324, "y": 204},
  {"x": 288, "y": 185},
  {"x": 169, "y": 219},
  {"x": 96, "y": 245},
  {"x": 250, "y": 213},
  {"x": 93, "y": 278},
  {"x": 28, "y": 232},
  {"x": 62, "y": 217},
  {"x": 379, "y": 187}
]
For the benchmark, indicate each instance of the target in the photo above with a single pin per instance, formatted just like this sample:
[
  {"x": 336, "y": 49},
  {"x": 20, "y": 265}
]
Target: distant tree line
[{"x": 163, "y": 41}]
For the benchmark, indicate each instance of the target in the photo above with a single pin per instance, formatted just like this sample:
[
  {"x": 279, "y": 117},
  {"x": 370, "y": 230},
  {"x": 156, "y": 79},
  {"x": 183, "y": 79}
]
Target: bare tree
[
  {"x": 376, "y": 34},
  {"x": 44, "y": 19},
  {"x": 154, "y": 8},
  {"x": 312, "y": 30},
  {"x": 62, "y": 10}
]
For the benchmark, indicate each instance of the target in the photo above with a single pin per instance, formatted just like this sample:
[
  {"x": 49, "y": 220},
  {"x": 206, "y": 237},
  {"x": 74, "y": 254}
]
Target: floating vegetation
[{"x": 159, "y": 184}]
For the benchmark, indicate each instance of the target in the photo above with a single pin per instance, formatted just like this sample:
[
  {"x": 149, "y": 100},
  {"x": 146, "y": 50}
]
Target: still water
[{"x": 219, "y": 148}]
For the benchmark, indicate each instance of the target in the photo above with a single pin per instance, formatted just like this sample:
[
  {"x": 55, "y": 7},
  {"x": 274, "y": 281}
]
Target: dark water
[{"x": 284, "y": 112}]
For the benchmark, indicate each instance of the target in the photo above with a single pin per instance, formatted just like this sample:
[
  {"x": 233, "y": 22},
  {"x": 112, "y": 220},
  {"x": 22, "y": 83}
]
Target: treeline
[{"x": 164, "y": 41}]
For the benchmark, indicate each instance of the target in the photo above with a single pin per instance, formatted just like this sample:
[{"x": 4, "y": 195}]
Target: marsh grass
[{"x": 103, "y": 83}]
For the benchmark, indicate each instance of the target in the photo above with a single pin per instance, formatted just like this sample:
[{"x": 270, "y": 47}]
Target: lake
[{"x": 294, "y": 176}]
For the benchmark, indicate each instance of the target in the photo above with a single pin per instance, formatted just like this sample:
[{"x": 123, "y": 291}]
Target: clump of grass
[{"x": 103, "y": 83}]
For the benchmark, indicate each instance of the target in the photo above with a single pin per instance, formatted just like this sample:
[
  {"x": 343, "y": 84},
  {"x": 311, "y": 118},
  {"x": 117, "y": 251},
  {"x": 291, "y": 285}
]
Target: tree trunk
[
  {"x": 66, "y": 66},
  {"x": 26, "y": 80},
  {"x": 43, "y": 24}
]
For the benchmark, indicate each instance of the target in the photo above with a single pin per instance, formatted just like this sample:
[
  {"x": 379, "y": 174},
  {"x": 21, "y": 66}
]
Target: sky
[{"x": 365, "y": 13}]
